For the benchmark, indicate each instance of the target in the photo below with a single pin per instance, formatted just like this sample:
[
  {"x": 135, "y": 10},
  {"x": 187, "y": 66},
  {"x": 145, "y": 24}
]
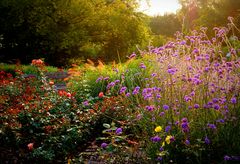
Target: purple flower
[
  {"x": 118, "y": 131},
  {"x": 187, "y": 142},
  {"x": 185, "y": 125},
  {"x": 128, "y": 94},
  {"x": 106, "y": 78},
  {"x": 159, "y": 159},
  {"x": 207, "y": 141},
  {"x": 161, "y": 114},
  {"x": 115, "y": 70},
  {"x": 172, "y": 71},
  {"x": 215, "y": 100},
  {"x": 136, "y": 90},
  {"x": 184, "y": 119},
  {"x": 117, "y": 81},
  {"x": 168, "y": 128},
  {"x": 132, "y": 56},
  {"x": 99, "y": 79},
  {"x": 227, "y": 158},
  {"x": 154, "y": 74},
  {"x": 196, "y": 106},
  {"x": 182, "y": 42},
  {"x": 195, "y": 50},
  {"x": 187, "y": 98},
  {"x": 220, "y": 121},
  {"x": 207, "y": 57},
  {"x": 233, "y": 100},
  {"x": 104, "y": 145},
  {"x": 142, "y": 66},
  {"x": 216, "y": 106},
  {"x": 85, "y": 103},
  {"x": 165, "y": 107},
  {"x": 158, "y": 96},
  {"x": 161, "y": 148},
  {"x": 156, "y": 139},
  {"x": 212, "y": 126},
  {"x": 206, "y": 69},
  {"x": 150, "y": 108},
  {"x": 122, "y": 90},
  {"x": 110, "y": 85}
]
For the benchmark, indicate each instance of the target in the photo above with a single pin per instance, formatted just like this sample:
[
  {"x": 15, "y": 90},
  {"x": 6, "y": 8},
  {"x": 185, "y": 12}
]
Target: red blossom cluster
[
  {"x": 64, "y": 93},
  {"x": 37, "y": 62}
]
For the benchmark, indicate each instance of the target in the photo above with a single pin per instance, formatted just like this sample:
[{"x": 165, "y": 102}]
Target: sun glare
[{"x": 159, "y": 7}]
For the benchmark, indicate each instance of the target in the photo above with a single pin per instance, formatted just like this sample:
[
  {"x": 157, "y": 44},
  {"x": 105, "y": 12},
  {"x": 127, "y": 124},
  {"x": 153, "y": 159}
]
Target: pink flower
[{"x": 30, "y": 146}]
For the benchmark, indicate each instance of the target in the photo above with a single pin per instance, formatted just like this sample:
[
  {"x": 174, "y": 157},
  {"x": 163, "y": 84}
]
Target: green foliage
[
  {"x": 60, "y": 30},
  {"x": 165, "y": 25},
  {"x": 26, "y": 69}
]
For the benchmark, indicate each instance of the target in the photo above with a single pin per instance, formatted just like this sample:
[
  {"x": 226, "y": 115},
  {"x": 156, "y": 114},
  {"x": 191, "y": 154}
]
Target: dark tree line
[{"x": 64, "y": 30}]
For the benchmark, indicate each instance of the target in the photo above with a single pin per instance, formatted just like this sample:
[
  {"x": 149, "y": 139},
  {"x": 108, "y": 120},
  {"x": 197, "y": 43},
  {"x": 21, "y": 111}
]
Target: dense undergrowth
[{"x": 178, "y": 103}]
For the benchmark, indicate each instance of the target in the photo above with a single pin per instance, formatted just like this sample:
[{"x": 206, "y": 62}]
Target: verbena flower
[
  {"x": 216, "y": 106},
  {"x": 128, "y": 94},
  {"x": 104, "y": 145},
  {"x": 122, "y": 90},
  {"x": 227, "y": 158},
  {"x": 118, "y": 131},
  {"x": 165, "y": 107},
  {"x": 110, "y": 85},
  {"x": 233, "y": 100},
  {"x": 150, "y": 108},
  {"x": 142, "y": 66},
  {"x": 196, "y": 106},
  {"x": 136, "y": 90}
]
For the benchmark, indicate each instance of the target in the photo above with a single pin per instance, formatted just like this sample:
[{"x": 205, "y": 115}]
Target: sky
[{"x": 159, "y": 7}]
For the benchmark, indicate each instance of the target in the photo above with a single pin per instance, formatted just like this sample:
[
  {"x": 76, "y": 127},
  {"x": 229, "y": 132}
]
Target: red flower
[
  {"x": 30, "y": 146},
  {"x": 100, "y": 95},
  {"x": 69, "y": 95}
]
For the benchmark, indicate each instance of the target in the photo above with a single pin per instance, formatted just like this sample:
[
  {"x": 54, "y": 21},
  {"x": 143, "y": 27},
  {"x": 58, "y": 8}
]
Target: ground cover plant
[{"x": 178, "y": 103}]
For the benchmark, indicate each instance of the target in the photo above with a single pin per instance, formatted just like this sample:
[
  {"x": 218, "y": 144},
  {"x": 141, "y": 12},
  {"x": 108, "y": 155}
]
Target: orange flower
[
  {"x": 51, "y": 82},
  {"x": 100, "y": 95},
  {"x": 30, "y": 146}
]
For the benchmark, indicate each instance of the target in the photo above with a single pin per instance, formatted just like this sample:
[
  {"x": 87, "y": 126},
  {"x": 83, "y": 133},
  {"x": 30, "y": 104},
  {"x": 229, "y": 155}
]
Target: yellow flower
[
  {"x": 163, "y": 144},
  {"x": 168, "y": 139},
  {"x": 158, "y": 129}
]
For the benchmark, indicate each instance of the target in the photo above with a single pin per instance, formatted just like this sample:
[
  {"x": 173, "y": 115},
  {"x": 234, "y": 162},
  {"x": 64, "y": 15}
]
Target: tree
[
  {"x": 59, "y": 30},
  {"x": 165, "y": 25}
]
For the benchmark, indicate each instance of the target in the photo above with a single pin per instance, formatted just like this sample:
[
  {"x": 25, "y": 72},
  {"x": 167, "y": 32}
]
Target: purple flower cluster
[
  {"x": 155, "y": 139},
  {"x": 142, "y": 65},
  {"x": 136, "y": 90},
  {"x": 185, "y": 125},
  {"x": 122, "y": 90}
]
